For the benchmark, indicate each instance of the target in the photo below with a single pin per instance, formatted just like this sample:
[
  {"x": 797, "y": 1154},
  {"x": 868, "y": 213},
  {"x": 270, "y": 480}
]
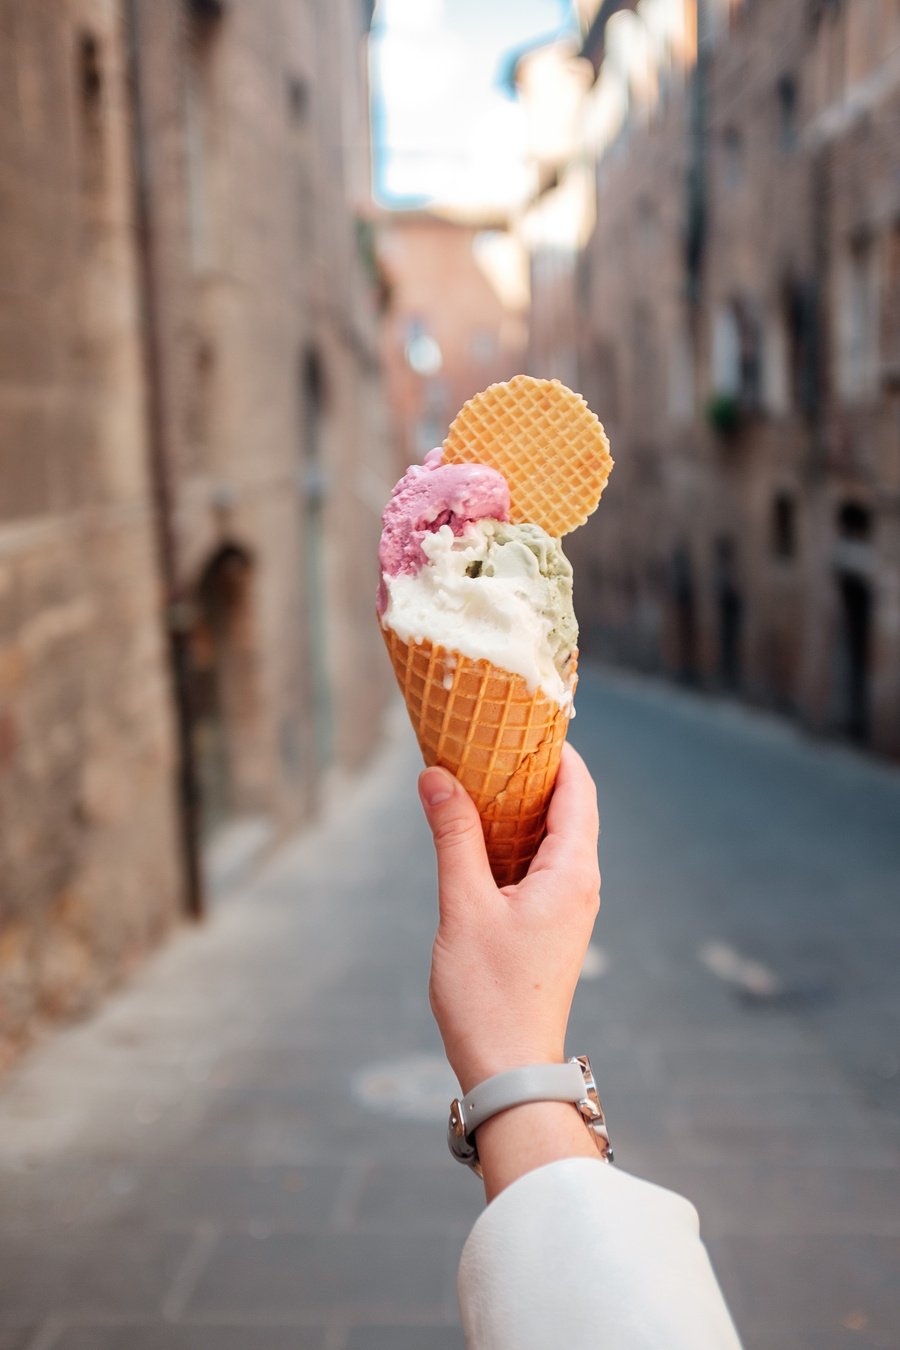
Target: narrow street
[{"x": 245, "y": 1149}]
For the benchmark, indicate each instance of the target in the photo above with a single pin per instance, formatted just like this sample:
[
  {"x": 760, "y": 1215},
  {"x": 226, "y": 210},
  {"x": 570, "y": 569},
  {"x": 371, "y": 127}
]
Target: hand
[{"x": 506, "y": 961}]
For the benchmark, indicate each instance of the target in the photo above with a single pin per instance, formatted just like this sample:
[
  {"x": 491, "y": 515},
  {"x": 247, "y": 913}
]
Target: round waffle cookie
[{"x": 544, "y": 439}]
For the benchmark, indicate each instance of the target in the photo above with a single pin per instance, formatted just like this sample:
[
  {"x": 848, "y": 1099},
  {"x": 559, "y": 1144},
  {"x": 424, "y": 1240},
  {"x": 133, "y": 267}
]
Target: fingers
[
  {"x": 573, "y": 808},
  {"x": 462, "y": 861},
  {"x": 573, "y": 823}
]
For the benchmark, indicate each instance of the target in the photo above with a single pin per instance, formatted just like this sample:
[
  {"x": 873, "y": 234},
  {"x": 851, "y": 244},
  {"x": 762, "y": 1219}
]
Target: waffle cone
[{"x": 501, "y": 740}]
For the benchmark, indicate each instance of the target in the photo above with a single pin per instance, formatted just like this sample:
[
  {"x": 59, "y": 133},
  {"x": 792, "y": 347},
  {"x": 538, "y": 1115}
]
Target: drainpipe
[
  {"x": 698, "y": 134},
  {"x": 817, "y": 310},
  {"x": 176, "y": 619}
]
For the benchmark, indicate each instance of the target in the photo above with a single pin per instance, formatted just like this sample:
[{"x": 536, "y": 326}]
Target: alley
[{"x": 245, "y": 1148}]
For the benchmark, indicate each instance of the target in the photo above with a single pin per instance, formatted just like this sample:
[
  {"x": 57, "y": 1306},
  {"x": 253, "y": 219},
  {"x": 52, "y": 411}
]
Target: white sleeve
[{"x": 579, "y": 1253}]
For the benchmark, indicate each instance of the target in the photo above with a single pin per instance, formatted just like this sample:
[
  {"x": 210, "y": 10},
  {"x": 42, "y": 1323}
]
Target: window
[
  {"x": 483, "y": 345},
  {"x": 737, "y": 354},
  {"x": 787, "y": 113},
  {"x": 775, "y": 379},
  {"x": 800, "y": 305},
  {"x": 91, "y": 79},
  {"x": 784, "y": 526},
  {"x": 89, "y": 72},
  {"x": 584, "y": 281},
  {"x": 751, "y": 359},
  {"x": 730, "y": 605},
  {"x": 206, "y": 11},
  {"x": 428, "y": 433},
  {"x": 854, "y": 521},
  {"x": 681, "y": 375},
  {"x": 647, "y": 223},
  {"x": 890, "y": 319},
  {"x": 600, "y": 379},
  {"x": 646, "y": 367},
  {"x": 823, "y": 9},
  {"x": 422, "y": 352},
  {"x": 201, "y": 140},
  {"x": 732, "y": 157},
  {"x": 726, "y": 353},
  {"x": 297, "y": 100},
  {"x": 858, "y": 321},
  {"x": 200, "y": 397}
]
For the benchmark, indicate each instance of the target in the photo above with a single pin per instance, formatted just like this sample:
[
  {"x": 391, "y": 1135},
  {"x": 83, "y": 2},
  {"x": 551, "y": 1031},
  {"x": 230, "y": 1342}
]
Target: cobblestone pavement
[{"x": 244, "y": 1149}]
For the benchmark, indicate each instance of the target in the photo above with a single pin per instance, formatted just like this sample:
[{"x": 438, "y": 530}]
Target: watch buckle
[{"x": 591, "y": 1109}]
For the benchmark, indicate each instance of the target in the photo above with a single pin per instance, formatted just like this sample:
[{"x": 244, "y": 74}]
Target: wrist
[
  {"x": 522, "y": 1139},
  {"x": 528, "y": 1136}
]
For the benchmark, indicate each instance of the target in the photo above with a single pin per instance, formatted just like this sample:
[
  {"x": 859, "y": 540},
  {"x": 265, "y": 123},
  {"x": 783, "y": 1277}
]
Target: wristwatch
[{"x": 570, "y": 1082}]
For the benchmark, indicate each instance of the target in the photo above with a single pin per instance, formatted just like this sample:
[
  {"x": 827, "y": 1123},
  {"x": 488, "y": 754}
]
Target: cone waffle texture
[
  {"x": 501, "y": 740},
  {"x": 544, "y": 439}
]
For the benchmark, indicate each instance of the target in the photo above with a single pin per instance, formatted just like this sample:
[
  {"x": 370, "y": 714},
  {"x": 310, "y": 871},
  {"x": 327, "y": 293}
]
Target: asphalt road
[{"x": 244, "y": 1149}]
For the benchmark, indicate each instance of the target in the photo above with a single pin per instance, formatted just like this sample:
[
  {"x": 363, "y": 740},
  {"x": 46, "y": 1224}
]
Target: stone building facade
[
  {"x": 737, "y": 331},
  {"x": 456, "y": 319},
  {"x": 192, "y": 430}
]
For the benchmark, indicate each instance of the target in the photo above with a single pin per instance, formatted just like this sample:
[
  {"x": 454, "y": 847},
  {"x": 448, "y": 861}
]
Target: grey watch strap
[
  {"x": 571, "y": 1082},
  {"x": 536, "y": 1083}
]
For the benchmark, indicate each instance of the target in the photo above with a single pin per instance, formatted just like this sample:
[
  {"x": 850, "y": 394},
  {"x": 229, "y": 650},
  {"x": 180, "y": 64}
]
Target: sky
[{"x": 445, "y": 131}]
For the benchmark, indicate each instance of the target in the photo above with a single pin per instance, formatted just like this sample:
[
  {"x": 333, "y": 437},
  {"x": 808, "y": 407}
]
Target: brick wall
[
  {"x": 441, "y": 293},
  {"x": 88, "y": 854},
  {"x": 234, "y": 365},
  {"x": 740, "y": 346}
]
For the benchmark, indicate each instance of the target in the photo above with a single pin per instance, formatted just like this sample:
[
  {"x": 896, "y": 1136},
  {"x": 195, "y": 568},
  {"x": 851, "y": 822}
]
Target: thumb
[{"x": 462, "y": 859}]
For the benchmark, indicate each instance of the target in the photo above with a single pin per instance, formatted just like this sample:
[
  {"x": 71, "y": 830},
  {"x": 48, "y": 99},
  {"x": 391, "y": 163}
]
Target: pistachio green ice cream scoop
[{"x": 527, "y": 551}]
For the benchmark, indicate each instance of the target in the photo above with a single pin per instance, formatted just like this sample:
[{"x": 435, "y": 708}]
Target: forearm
[
  {"x": 580, "y": 1253},
  {"x": 529, "y": 1136}
]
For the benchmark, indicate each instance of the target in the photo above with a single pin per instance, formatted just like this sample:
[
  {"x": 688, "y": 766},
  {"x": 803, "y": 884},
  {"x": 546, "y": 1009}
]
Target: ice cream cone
[{"x": 502, "y": 741}]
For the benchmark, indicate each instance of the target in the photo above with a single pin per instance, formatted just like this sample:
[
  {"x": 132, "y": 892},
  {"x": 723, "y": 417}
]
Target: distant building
[
  {"x": 731, "y": 275},
  {"x": 194, "y": 454},
  {"x": 456, "y": 319}
]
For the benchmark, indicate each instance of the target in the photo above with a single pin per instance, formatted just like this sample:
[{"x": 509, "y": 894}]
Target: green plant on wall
[
  {"x": 723, "y": 413},
  {"x": 366, "y": 245}
]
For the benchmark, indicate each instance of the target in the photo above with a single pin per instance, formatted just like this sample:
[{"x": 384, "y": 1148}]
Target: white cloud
[
  {"x": 417, "y": 73},
  {"x": 410, "y": 15},
  {"x": 447, "y": 133}
]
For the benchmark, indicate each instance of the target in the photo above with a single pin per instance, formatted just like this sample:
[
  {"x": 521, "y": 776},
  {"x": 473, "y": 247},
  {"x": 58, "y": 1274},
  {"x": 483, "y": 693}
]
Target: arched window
[
  {"x": 90, "y": 87},
  {"x": 733, "y": 157},
  {"x": 312, "y": 405}
]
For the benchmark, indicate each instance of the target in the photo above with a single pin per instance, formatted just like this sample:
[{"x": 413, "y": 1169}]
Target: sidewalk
[
  {"x": 245, "y": 1148},
  {"x": 217, "y": 1158}
]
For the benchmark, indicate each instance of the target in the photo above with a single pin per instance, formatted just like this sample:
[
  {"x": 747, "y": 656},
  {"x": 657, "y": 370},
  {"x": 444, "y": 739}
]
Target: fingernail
[{"x": 435, "y": 786}]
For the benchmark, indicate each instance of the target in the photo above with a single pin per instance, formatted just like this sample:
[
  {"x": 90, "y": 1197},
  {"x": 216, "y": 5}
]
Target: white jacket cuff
[{"x": 580, "y": 1253}]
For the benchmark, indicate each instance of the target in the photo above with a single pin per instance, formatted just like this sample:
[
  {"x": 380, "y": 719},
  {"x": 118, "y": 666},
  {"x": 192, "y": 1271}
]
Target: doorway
[
  {"x": 223, "y": 687},
  {"x": 854, "y": 644},
  {"x": 730, "y": 605},
  {"x": 852, "y": 656},
  {"x": 685, "y": 605}
]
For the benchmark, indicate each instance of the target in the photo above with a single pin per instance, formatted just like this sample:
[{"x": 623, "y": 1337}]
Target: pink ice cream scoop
[{"x": 428, "y": 496}]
